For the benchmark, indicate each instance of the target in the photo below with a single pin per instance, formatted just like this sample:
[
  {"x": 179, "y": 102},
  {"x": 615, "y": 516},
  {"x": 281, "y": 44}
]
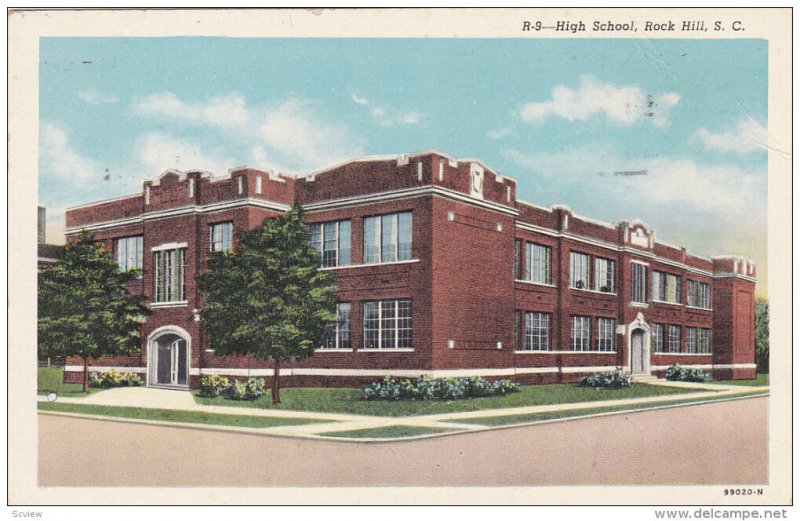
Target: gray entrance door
[
  {"x": 637, "y": 352},
  {"x": 171, "y": 360}
]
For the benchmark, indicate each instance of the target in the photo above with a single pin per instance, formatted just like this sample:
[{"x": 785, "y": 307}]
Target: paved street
[{"x": 712, "y": 443}]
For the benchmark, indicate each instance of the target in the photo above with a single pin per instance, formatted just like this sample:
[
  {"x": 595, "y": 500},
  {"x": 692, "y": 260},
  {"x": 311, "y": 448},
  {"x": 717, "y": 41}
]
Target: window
[
  {"x": 516, "y": 330},
  {"x": 698, "y": 340},
  {"x": 579, "y": 270},
  {"x": 169, "y": 285},
  {"x": 221, "y": 235},
  {"x": 674, "y": 339},
  {"x": 666, "y": 287},
  {"x": 704, "y": 341},
  {"x": 517, "y": 248},
  {"x": 332, "y": 241},
  {"x": 387, "y": 324},
  {"x": 604, "y": 275},
  {"x": 337, "y": 334},
  {"x": 657, "y": 338},
  {"x": 605, "y": 336},
  {"x": 129, "y": 253},
  {"x": 537, "y": 331},
  {"x": 387, "y": 238},
  {"x": 537, "y": 266},
  {"x": 691, "y": 340},
  {"x": 638, "y": 282},
  {"x": 579, "y": 337},
  {"x": 699, "y": 294}
]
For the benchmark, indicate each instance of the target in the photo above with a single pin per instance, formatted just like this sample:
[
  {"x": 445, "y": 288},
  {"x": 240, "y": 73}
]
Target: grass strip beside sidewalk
[
  {"x": 512, "y": 419},
  {"x": 392, "y": 431},
  {"x": 167, "y": 415}
]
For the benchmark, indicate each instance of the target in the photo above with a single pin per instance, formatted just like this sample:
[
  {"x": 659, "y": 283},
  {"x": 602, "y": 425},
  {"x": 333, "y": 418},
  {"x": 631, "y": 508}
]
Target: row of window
[
  {"x": 387, "y": 325},
  {"x": 698, "y": 339},
  {"x": 387, "y": 238},
  {"x": 665, "y": 287},
  {"x": 537, "y": 333}
]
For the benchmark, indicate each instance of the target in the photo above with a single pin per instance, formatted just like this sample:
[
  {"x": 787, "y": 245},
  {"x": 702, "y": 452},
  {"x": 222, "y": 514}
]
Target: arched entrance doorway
[{"x": 168, "y": 358}]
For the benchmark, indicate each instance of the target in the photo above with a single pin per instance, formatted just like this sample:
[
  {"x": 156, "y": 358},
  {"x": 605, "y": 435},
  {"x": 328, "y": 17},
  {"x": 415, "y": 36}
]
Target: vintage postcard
[{"x": 447, "y": 256}]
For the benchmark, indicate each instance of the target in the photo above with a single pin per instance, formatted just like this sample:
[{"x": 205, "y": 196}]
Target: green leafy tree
[
  {"x": 85, "y": 309},
  {"x": 266, "y": 297},
  {"x": 762, "y": 335}
]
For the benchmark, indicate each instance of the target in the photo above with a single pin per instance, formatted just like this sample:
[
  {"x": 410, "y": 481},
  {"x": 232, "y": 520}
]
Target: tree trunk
[
  {"x": 276, "y": 382},
  {"x": 86, "y": 374}
]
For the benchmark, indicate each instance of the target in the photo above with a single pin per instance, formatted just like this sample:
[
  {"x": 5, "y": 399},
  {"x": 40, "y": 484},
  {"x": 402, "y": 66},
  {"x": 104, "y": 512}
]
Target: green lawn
[
  {"x": 762, "y": 379},
  {"x": 51, "y": 381},
  {"x": 166, "y": 415},
  {"x": 393, "y": 431},
  {"x": 543, "y": 416},
  {"x": 350, "y": 400}
]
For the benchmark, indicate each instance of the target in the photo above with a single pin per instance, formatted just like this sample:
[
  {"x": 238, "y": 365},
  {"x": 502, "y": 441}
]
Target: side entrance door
[{"x": 638, "y": 345}]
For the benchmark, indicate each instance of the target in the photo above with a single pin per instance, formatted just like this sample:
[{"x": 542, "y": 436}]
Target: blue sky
[{"x": 560, "y": 116}]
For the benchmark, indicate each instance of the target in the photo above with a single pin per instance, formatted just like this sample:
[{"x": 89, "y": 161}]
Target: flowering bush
[
  {"x": 608, "y": 380},
  {"x": 212, "y": 385},
  {"x": 427, "y": 388},
  {"x": 676, "y": 373},
  {"x": 113, "y": 378},
  {"x": 249, "y": 390}
]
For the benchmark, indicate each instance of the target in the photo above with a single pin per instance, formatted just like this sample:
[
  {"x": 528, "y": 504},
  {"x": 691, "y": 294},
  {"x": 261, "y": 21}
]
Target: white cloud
[
  {"x": 626, "y": 105},
  {"x": 364, "y": 102},
  {"x": 386, "y": 116},
  {"x": 59, "y": 157},
  {"x": 291, "y": 135},
  {"x": 158, "y": 152},
  {"x": 670, "y": 181},
  {"x": 303, "y": 138},
  {"x": 227, "y": 112},
  {"x": 748, "y": 136},
  {"x": 499, "y": 133},
  {"x": 95, "y": 97}
]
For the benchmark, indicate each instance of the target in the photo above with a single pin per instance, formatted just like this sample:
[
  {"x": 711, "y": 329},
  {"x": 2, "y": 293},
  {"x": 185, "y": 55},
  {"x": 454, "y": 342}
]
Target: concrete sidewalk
[{"x": 148, "y": 398}]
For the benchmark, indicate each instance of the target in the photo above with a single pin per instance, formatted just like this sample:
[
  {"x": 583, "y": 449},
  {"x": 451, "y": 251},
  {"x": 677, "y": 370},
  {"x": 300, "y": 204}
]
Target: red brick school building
[{"x": 441, "y": 270}]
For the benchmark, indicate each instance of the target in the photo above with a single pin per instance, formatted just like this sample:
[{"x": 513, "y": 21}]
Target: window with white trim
[
  {"x": 332, "y": 241},
  {"x": 674, "y": 339},
  {"x": 638, "y": 282},
  {"x": 337, "y": 333},
  {"x": 220, "y": 236},
  {"x": 538, "y": 263},
  {"x": 578, "y": 270},
  {"x": 387, "y": 238},
  {"x": 605, "y": 334},
  {"x": 704, "y": 340},
  {"x": 698, "y": 294},
  {"x": 698, "y": 340},
  {"x": 605, "y": 275},
  {"x": 387, "y": 324},
  {"x": 517, "y": 314},
  {"x": 130, "y": 251},
  {"x": 666, "y": 287},
  {"x": 517, "y": 257},
  {"x": 537, "y": 331},
  {"x": 169, "y": 275},
  {"x": 657, "y": 338},
  {"x": 580, "y": 334}
]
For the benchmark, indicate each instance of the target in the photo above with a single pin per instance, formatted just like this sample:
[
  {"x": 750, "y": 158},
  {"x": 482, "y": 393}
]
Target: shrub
[
  {"x": 131, "y": 379},
  {"x": 212, "y": 385},
  {"x": 676, "y": 373},
  {"x": 249, "y": 390},
  {"x": 608, "y": 380},
  {"x": 113, "y": 378},
  {"x": 427, "y": 388}
]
